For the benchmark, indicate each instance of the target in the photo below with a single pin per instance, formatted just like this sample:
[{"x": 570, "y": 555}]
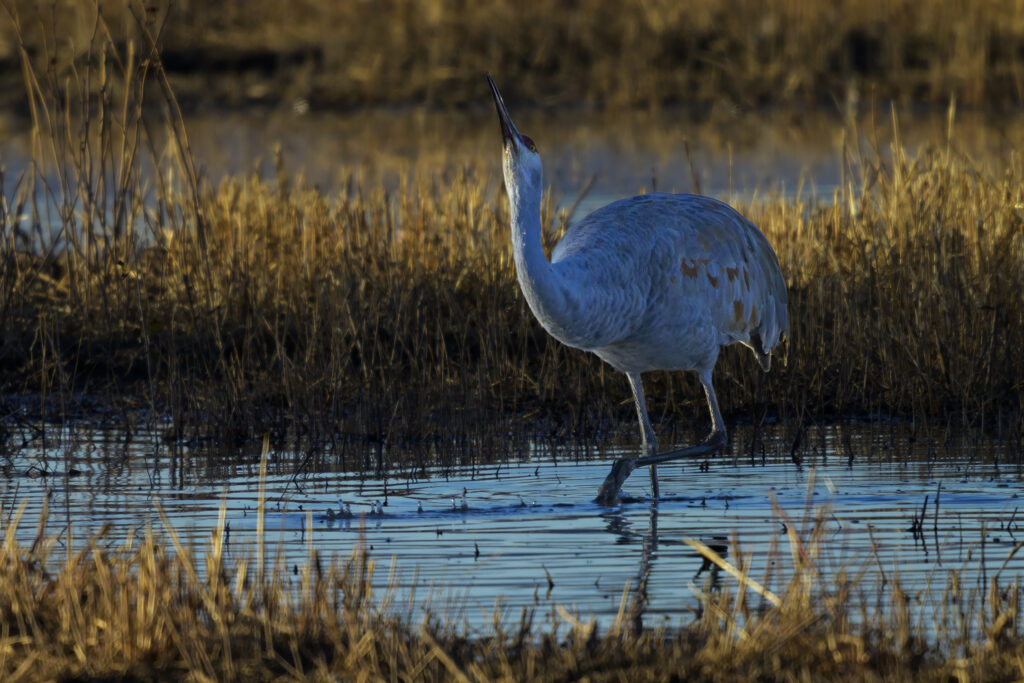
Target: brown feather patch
[{"x": 689, "y": 269}]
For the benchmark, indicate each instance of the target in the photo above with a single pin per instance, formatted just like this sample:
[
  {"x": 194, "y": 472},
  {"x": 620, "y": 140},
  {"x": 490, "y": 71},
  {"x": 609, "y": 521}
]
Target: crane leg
[
  {"x": 648, "y": 440},
  {"x": 717, "y": 435},
  {"x": 608, "y": 494}
]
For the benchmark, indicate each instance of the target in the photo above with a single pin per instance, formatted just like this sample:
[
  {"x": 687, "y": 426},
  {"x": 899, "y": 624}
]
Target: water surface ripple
[{"x": 527, "y": 522}]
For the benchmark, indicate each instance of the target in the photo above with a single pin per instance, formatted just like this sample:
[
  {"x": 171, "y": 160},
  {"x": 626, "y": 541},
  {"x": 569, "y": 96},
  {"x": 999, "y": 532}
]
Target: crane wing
[{"x": 676, "y": 259}]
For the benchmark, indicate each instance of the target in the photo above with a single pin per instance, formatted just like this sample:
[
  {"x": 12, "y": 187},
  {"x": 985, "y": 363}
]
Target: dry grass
[
  {"x": 903, "y": 287},
  {"x": 393, "y": 318},
  {"x": 639, "y": 52},
  {"x": 155, "y": 609}
]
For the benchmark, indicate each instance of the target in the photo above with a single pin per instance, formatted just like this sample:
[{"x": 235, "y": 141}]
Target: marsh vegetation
[{"x": 388, "y": 312}]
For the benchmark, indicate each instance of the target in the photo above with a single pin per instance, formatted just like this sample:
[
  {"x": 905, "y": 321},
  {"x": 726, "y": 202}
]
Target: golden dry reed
[
  {"x": 392, "y": 317},
  {"x": 155, "y": 609},
  {"x": 726, "y": 55}
]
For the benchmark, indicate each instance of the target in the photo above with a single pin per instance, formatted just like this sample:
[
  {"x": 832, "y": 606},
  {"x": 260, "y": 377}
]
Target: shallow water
[
  {"x": 529, "y": 520},
  {"x": 598, "y": 156}
]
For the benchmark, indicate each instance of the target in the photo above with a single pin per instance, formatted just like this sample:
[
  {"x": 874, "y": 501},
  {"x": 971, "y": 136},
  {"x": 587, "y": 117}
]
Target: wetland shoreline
[
  {"x": 389, "y": 310},
  {"x": 275, "y": 306}
]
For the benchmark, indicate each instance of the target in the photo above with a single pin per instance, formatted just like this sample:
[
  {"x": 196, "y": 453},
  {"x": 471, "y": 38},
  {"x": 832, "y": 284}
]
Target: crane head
[{"x": 521, "y": 159}]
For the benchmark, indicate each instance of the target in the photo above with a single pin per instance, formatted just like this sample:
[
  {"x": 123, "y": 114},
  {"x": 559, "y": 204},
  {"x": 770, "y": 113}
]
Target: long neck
[{"x": 541, "y": 284}]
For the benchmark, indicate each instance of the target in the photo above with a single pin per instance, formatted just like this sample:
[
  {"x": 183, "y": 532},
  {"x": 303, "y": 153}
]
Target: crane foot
[{"x": 608, "y": 494}]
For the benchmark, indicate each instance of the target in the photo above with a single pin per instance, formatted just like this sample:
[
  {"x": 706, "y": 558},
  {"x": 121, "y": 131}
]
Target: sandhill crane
[{"x": 653, "y": 282}]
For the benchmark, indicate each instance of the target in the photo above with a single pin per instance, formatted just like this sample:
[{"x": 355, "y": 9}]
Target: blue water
[{"x": 526, "y": 521}]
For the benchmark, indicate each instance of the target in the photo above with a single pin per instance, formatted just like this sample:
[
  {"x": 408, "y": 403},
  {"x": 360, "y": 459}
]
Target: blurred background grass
[{"x": 628, "y": 53}]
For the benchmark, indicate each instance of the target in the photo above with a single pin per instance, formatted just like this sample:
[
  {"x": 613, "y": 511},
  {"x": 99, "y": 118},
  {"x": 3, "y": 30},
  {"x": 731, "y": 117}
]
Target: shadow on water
[{"x": 526, "y": 535}]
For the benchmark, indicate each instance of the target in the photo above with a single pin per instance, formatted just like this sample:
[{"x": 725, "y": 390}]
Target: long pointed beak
[{"x": 508, "y": 129}]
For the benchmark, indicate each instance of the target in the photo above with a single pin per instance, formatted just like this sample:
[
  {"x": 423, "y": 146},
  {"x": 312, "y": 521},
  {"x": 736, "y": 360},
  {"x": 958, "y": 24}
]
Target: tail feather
[{"x": 764, "y": 356}]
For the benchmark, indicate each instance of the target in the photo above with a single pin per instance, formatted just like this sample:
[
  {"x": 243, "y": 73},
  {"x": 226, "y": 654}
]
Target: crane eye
[{"x": 530, "y": 144}]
